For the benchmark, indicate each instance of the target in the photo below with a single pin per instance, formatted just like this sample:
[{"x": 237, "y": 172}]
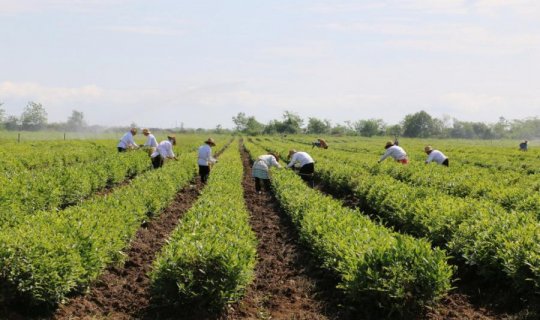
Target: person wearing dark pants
[
  {"x": 163, "y": 151},
  {"x": 205, "y": 159},
  {"x": 260, "y": 170},
  {"x": 436, "y": 156},
  {"x": 306, "y": 163},
  {"x": 127, "y": 141}
]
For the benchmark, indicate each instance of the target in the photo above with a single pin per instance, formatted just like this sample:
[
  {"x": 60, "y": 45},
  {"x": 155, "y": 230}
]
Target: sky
[{"x": 199, "y": 63}]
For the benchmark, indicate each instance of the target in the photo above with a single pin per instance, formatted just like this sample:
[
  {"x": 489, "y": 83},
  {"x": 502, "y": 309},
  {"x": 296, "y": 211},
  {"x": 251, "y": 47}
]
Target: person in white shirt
[
  {"x": 163, "y": 151},
  {"x": 151, "y": 143},
  {"x": 260, "y": 170},
  {"x": 127, "y": 141},
  {"x": 435, "y": 155},
  {"x": 395, "y": 152},
  {"x": 150, "y": 139},
  {"x": 306, "y": 163},
  {"x": 205, "y": 159}
]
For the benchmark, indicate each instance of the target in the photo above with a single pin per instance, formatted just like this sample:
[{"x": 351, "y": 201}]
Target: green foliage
[
  {"x": 51, "y": 253},
  {"x": 34, "y": 117},
  {"x": 209, "y": 259},
  {"x": 374, "y": 264},
  {"x": 464, "y": 208}
]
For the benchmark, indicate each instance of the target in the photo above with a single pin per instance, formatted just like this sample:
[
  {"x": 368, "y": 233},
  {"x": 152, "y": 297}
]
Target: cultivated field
[{"x": 88, "y": 233}]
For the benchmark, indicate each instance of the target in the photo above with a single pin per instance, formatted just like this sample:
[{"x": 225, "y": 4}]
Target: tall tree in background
[
  {"x": 370, "y": 127},
  {"x": 292, "y": 123},
  {"x": 247, "y": 125},
  {"x": 420, "y": 125},
  {"x": 76, "y": 121},
  {"x": 317, "y": 126},
  {"x": 34, "y": 117}
]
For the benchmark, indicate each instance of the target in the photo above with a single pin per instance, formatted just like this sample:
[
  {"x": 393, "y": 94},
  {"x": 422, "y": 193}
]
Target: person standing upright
[
  {"x": 395, "y": 152},
  {"x": 127, "y": 141},
  {"x": 205, "y": 159},
  {"x": 151, "y": 143}
]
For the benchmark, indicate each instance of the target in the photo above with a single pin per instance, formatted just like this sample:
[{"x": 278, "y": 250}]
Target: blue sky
[{"x": 162, "y": 63}]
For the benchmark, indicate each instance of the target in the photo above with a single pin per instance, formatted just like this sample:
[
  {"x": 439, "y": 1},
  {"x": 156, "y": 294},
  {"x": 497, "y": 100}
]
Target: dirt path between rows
[
  {"x": 123, "y": 292},
  {"x": 286, "y": 284}
]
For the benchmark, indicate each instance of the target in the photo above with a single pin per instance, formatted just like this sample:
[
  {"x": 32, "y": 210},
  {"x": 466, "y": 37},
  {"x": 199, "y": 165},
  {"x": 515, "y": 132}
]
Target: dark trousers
[
  {"x": 266, "y": 183},
  {"x": 306, "y": 172},
  {"x": 445, "y": 162},
  {"x": 120, "y": 149},
  {"x": 204, "y": 172},
  {"x": 157, "y": 162}
]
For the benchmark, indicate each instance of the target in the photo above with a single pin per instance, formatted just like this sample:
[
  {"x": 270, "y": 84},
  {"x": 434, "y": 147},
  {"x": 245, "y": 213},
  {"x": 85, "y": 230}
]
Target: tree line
[
  {"x": 35, "y": 118},
  {"x": 416, "y": 125}
]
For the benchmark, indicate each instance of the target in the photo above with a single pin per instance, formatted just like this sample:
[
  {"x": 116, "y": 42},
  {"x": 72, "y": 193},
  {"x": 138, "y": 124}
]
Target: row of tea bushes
[
  {"x": 53, "y": 253},
  {"x": 373, "y": 264},
  {"x": 209, "y": 259}
]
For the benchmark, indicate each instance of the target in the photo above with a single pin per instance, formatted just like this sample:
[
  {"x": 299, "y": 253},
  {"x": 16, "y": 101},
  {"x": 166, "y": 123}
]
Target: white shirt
[
  {"x": 151, "y": 141},
  {"x": 302, "y": 157},
  {"x": 205, "y": 156},
  {"x": 395, "y": 152},
  {"x": 127, "y": 141},
  {"x": 270, "y": 160},
  {"x": 164, "y": 149},
  {"x": 436, "y": 156}
]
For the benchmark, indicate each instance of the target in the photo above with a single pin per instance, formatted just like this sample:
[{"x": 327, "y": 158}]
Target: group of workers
[
  {"x": 398, "y": 153},
  {"x": 300, "y": 160},
  {"x": 159, "y": 152}
]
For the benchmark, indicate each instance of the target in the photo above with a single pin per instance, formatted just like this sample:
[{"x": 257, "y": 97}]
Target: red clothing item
[{"x": 403, "y": 161}]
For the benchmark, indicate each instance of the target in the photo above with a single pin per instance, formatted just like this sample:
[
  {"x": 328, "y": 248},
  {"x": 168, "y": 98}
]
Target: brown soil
[
  {"x": 286, "y": 285},
  {"x": 123, "y": 292}
]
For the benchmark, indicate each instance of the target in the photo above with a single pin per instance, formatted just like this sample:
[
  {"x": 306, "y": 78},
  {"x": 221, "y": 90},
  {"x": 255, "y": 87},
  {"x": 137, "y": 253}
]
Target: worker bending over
[
  {"x": 435, "y": 155},
  {"x": 163, "y": 151},
  {"x": 261, "y": 172},
  {"x": 127, "y": 141},
  {"x": 307, "y": 165},
  {"x": 320, "y": 143},
  {"x": 395, "y": 152}
]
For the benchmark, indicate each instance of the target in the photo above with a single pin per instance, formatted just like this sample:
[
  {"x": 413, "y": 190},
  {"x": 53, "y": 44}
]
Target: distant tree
[
  {"x": 292, "y": 123},
  {"x": 240, "y": 121},
  {"x": 12, "y": 123},
  {"x": 218, "y": 129},
  {"x": 76, "y": 121},
  {"x": 420, "y": 124},
  {"x": 526, "y": 128},
  {"x": 34, "y": 117},
  {"x": 501, "y": 129},
  {"x": 273, "y": 127},
  {"x": 370, "y": 127},
  {"x": 317, "y": 126},
  {"x": 395, "y": 130},
  {"x": 247, "y": 125},
  {"x": 339, "y": 130}
]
